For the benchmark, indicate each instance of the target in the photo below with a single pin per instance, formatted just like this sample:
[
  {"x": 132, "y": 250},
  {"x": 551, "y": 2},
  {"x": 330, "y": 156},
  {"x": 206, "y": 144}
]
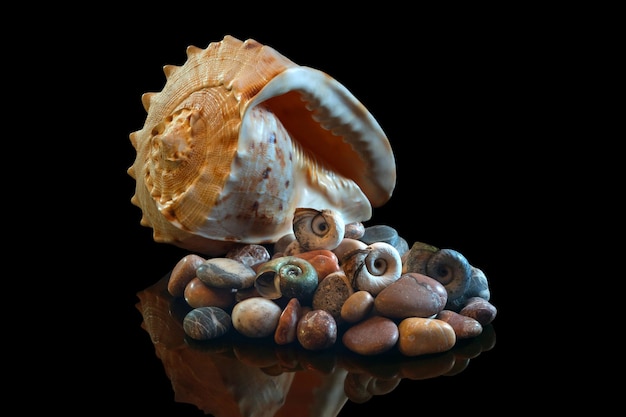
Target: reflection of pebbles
[{"x": 218, "y": 375}]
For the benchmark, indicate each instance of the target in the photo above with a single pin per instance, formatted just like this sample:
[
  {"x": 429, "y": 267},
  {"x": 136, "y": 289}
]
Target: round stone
[
  {"x": 317, "y": 330},
  {"x": 256, "y": 317}
]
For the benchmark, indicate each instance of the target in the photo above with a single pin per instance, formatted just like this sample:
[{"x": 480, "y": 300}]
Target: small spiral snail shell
[
  {"x": 447, "y": 266},
  {"x": 240, "y": 136},
  {"x": 318, "y": 229},
  {"x": 373, "y": 268},
  {"x": 286, "y": 276}
]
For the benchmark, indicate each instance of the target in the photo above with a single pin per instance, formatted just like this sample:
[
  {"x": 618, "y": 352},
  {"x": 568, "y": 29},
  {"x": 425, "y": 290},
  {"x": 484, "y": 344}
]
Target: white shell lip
[{"x": 337, "y": 111}]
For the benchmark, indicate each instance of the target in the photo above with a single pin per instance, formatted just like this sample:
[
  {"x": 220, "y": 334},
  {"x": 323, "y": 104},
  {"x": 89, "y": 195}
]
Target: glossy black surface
[{"x": 443, "y": 96}]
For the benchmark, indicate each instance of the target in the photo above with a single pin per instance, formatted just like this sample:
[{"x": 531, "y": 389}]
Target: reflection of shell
[{"x": 240, "y": 136}]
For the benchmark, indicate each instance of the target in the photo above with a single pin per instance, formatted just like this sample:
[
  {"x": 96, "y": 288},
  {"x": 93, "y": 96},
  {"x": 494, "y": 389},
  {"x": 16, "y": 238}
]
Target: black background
[{"x": 448, "y": 88}]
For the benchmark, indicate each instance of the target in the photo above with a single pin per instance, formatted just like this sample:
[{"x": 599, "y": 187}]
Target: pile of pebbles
[{"x": 368, "y": 289}]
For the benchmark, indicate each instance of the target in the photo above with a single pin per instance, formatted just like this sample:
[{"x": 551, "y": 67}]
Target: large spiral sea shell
[{"x": 240, "y": 136}]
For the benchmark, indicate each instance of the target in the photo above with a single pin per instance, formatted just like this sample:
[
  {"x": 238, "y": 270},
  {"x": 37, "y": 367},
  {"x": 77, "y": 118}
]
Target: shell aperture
[{"x": 240, "y": 136}]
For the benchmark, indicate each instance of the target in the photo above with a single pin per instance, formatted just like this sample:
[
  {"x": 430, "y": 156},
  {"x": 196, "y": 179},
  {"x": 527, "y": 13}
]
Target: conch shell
[{"x": 240, "y": 136}]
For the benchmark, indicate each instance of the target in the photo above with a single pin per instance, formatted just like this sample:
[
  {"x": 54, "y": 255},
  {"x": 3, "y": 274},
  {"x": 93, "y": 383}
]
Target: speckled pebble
[
  {"x": 182, "y": 273},
  {"x": 226, "y": 273},
  {"x": 464, "y": 327},
  {"x": 421, "y": 336},
  {"x": 206, "y": 323},
  {"x": 411, "y": 295},
  {"x": 198, "y": 294},
  {"x": 256, "y": 317},
  {"x": 357, "y": 307},
  {"x": 371, "y": 336},
  {"x": 317, "y": 330},
  {"x": 331, "y": 293}
]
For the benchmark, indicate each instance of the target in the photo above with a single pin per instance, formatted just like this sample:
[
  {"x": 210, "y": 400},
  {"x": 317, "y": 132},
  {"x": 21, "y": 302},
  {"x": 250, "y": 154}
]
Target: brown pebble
[
  {"x": 420, "y": 336},
  {"x": 288, "y": 322},
  {"x": 198, "y": 294},
  {"x": 480, "y": 310},
  {"x": 317, "y": 330},
  {"x": 411, "y": 295},
  {"x": 371, "y": 336},
  {"x": 182, "y": 273},
  {"x": 357, "y": 306},
  {"x": 464, "y": 327}
]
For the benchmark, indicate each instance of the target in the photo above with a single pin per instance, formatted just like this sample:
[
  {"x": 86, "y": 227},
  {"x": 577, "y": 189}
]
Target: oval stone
[
  {"x": 288, "y": 322},
  {"x": 206, "y": 323},
  {"x": 357, "y": 306},
  {"x": 198, "y": 294},
  {"x": 411, "y": 295},
  {"x": 480, "y": 310},
  {"x": 256, "y": 317},
  {"x": 464, "y": 327},
  {"x": 183, "y": 272},
  {"x": 323, "y": 260},
  {"x": 371, "y": 336},
  {"x": 420, "y": 336},
  {"x": 226, "y": 273},
  {"x": 331, "y": 293}
]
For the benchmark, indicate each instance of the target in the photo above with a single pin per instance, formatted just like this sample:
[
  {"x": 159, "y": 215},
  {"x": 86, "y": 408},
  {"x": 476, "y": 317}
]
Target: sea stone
[
  {"x": 198, "y": 294},
  {"x": 421, "y": 336},
  {"x": 380, "y": 233},
  {"x": 226, "y": 273},
  {"x": 411, "y": 295},
  {"x": 256, "y": 317},
  {"x": 206, "y": 323},
  {"x": 182, "y": 273},
  {"x": 331, "y": 293},
  {"x": 317, "y": 330},
  {"x": 371, "y": 336},
  {"x": 288, "y": 322},
  {"x": 357, "y": 307},
  {"x": 323, "y": 261},
  {"x": 480, "y": 310},
  {"x": 464, "y": 327}
]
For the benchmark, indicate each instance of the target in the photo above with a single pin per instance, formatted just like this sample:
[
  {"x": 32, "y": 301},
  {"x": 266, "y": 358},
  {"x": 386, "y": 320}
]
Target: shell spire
[{"x": 240, "y": 136}]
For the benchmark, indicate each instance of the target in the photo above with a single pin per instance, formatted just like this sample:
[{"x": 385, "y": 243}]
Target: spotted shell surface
[{"x": 240, "y": 136}]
